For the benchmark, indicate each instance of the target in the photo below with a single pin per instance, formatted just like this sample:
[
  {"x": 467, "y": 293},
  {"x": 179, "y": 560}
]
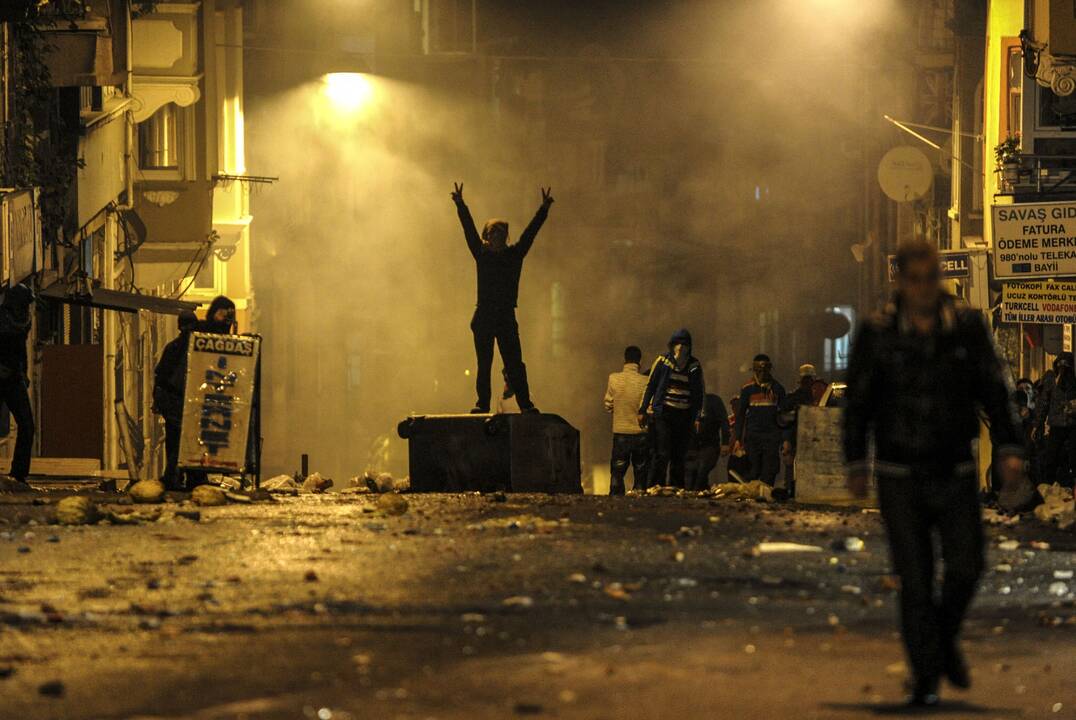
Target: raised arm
[
  {"x": 470, "y": 232},
  {"x": 527, "y": 238}
]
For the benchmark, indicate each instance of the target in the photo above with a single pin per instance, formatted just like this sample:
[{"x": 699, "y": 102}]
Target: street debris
[
  {"x": 310, "y": 576},
  {"x": 315, "y": 483},
  {"x": 754, "y": 490},
  {"x": 283, "y": 484},
  {"x": 769, "y": 548},
  {"x": 52, "y": 689},
  {"x": 76, "y": 511},
  {"x": 208, "y": 496},
  {"x": 1057, "y": 505},
  {"x": 848, "y": 544},
  {"x": 147, "y": 491},
  {"x": 380, "y": 483},
  {"x": 617, "y": 592},
  {"x": 993, "y": 517},
  {"x": 518, "y": 602},
  {"x": 577, "y": 578},
  {"x": 525, "y": 523},
  {"x": 1006, "y": 544},
  {"x": 392, "y": 504}
]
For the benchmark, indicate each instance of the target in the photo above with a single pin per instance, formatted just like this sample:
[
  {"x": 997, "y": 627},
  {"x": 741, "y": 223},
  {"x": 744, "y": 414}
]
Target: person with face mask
[
  {"x": 920, "y": 376},
  {"x": 1055, "y": 422},
  {"x": 220, "y": 317},
  {"x": 169, "y": 384},
  {"x": 757, "y": 429},
  {"x": 499, "y": 266},
  {"x": 15, "y": 320},
  {"x": 674, "y": 394}
]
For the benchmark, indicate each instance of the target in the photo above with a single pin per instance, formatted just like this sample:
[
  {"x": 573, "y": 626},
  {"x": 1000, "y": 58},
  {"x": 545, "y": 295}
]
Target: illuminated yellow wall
[{"x": 1005, "y": 19}]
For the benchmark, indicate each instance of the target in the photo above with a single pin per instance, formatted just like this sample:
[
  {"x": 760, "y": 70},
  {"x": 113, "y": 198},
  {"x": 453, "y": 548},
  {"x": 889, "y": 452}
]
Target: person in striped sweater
[{"x": 675, "y": 395}]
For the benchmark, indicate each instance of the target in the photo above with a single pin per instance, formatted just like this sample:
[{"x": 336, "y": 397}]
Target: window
[
  {"x": 1013, "y": 88},
  {"x": 836, "y": 350},
  {"x": 158, "y": 139}
]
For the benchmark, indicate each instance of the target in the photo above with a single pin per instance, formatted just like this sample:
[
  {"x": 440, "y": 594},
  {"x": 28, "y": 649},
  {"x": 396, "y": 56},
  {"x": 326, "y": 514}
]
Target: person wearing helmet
[{"x": 15, "y": 321}]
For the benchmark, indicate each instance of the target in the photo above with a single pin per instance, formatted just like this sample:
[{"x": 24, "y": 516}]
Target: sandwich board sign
[{"x": 218, "y": 401}]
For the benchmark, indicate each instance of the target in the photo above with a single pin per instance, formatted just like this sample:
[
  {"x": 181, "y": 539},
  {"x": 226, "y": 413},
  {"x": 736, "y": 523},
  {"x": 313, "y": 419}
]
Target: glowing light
[{"x": 348, "y": 92}]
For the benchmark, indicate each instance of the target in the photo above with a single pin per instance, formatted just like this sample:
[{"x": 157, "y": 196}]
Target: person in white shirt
[{"x": 631, "y": 444}]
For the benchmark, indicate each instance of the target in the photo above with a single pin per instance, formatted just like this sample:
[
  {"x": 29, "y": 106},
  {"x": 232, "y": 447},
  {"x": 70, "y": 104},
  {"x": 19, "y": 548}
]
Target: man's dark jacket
[
  {"x": 921, "y": 395},
  {"x": 170, "y": 378},
  {"x": 499, "y": 270}
]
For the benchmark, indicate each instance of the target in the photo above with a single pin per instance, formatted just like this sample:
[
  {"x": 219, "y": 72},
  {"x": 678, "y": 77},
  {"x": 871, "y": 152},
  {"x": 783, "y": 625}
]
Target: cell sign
[
  {"x": 1035, "y": 240},
  {"x": 218, "y": 401},
  {"x": 1042, "y": 303}
]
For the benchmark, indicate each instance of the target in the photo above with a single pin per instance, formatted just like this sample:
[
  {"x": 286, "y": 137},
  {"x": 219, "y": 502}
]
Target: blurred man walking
[{"x": 919, "y": 373}]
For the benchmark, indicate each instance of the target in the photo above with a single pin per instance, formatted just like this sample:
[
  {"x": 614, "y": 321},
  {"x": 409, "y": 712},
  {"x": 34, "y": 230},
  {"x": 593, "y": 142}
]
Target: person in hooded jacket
[
  {"x": 674, "y": 394},
  {"x": 169, "y": 383},
  {"x": 757, "y": 429},
  {"x": 220, "y": 318},
  {"x": 14, "y": 329}
]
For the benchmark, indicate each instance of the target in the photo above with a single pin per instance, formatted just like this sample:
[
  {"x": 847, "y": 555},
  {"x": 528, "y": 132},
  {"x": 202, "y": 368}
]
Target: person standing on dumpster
[
  {"x": 499, "y": 266},
  {"x": 919, "y": 374},
  {"x": 674, "y": 394}
]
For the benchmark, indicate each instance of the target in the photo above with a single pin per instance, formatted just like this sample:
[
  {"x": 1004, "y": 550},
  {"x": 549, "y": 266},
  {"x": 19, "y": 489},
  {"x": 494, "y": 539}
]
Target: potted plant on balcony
[{"x": 1007, "y": 159}]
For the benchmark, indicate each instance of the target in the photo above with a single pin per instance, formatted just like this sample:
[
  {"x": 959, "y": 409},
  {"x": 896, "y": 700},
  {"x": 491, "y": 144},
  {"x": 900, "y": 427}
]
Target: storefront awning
[{"x": 115, "y": 300}]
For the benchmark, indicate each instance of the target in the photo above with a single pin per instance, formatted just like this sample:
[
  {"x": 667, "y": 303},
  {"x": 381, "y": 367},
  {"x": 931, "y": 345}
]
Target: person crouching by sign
[
  {"x": 169, "y": 379},
  {"x": 15, "y": 319}
]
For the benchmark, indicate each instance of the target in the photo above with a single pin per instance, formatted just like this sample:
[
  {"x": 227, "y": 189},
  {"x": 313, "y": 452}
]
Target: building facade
[{"x": 146, "y": 211}]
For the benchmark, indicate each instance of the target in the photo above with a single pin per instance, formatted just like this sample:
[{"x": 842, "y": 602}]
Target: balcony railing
[{"x": 1038, "y": 175}]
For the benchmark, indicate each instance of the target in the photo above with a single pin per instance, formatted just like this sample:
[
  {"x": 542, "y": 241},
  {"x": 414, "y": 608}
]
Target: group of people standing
[
  {"x": 1048, "y": 413},
  {"x": 669, "y": 431}
]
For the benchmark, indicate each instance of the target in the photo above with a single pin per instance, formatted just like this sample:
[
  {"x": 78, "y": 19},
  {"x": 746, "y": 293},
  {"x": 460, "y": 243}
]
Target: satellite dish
[
  {"x": 905, "y": 173},
  {"x": 834, "y": 324}
]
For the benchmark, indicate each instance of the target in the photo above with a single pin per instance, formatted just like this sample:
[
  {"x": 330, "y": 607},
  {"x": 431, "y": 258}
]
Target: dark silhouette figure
[
  {"x": 169, "y": 384},
  {"x": 14, "y": 328},
  {"x": 499, "y": 266}
]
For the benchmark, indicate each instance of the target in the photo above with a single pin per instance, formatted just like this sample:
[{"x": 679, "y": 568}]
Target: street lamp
[{"x": 347, "y": 92}]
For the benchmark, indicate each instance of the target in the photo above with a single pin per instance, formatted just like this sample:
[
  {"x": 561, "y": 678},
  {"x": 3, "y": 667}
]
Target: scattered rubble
[
  {"x": 1057, "y": 505},
  {"x": 147, "y": 491},
  {"x": 315, "y": 483},
  {"x": 283, "y": 484},
  {"x": 993, "y": 517},
  {"x": 76, "y": 510},
  {"x": 208, "y": 496},
  {"x": 769, "y": 548},
  {"x": 754, "y": 490},
  {"x": 518, "y": 601},
  {"x": 380, "y": 483},
  {"x": 392, "y": 504}
]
